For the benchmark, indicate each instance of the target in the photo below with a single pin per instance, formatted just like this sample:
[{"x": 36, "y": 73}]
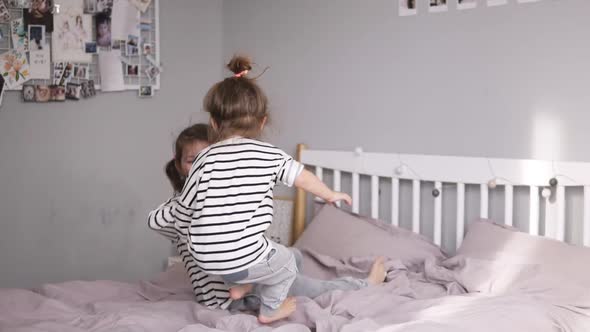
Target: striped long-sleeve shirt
[
  {"x": 227, "y": 203},
  {"x": 209, "y": 290}
]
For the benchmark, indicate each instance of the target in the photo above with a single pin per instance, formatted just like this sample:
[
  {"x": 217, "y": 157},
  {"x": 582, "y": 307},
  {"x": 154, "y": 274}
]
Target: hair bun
[{"x": 239, "y": 63}]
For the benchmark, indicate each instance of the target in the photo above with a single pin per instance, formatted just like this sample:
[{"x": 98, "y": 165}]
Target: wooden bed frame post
[{"x": 299, "y": 206}]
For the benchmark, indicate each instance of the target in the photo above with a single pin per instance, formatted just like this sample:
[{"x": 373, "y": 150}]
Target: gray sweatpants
[
  {"x": 312, "y": 288},
  {"x": 277, "y": 276}
]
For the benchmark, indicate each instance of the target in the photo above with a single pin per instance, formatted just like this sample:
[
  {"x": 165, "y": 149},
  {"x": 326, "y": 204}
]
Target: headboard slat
[
  {"x": 508, "y": 204},
  {"x": 534, "y": 210},
  {"x": 460, "y": 213},
  {"x": 337, "y": 186},
  {"x": 438, "y": 214},
  {"x": 355, "y": 192},
  {"x": 484, "y": 201},
  {"x": 587, "y": 215},
  {"x": 395, "y": 201},
  {"x": 374, "y": 197},
  {"x": 560, "y": 201},
  {"x": 416, "y": 206}
]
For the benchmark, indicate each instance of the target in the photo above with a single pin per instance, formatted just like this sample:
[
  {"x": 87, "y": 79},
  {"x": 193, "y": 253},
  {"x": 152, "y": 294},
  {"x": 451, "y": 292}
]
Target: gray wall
[
  {"x": 508, "y": 81},
  {"x": 78, "y": 179},
  {"x": 346, "y": 73}
]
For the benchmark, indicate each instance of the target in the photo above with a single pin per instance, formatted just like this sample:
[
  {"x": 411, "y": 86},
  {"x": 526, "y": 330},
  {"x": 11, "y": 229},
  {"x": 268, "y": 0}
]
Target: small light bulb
[
  {"x": 492, "y": 183},
  {"x": 546, "y": 192}
]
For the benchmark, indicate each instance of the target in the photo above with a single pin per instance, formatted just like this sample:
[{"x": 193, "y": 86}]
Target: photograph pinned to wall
[
  {"x": 87, "y": 89},
  {"x": 73, "y": 91},
  {"x": 15, "y": 68},
  {"x": 89, "y": 7},
  {"x": 493, "y": 3},
  {"x": 91, "y": 88},
  {"x": 118, "y": 44},
  {"x": 147, "y": 48},
  {"x": 29, "y": 93},
  {"x": 40, "y": 13},
  {"x": 20, "y": 38},
  {"x": 466, "y": 4},
  {"x": 132, "y": 70},
  {"x": 103, "y": 6},
  {"x": 72, "y": 30},
  {"x": 58, "y": 92},
  {"x": 40, "y": 64},
  {"x": 67, "y": 74},
  {"x": 142, "y": 5},
  {"x": 152, "y": 72},
  {"x": 132, "y": 51},
  {"x": 91, "y": 47},
  {"x": 19, "y": 4},
  {"x": 132, "y": 46},
  {"x": 438, "y": 6},
  {"x": 42, "y": 93},
  {"x": 36, "y": 37},
  {"x": 103, "y": 30},
  {"x": 58, "y": 71},
  {"x": 4, "y": 13},
  {"x": 146, "y": 91},
  {"x": 132, "y": 40},
  {"x": 81, "y": 72},
  {"x": 62, "y": 72},
  {"x": 407, "y": 7}
]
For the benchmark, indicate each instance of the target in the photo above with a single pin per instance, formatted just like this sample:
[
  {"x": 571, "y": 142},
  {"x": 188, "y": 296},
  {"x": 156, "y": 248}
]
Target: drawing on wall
[
  {"x": 15, "y": 68},
  {"x": 72, "y": 30}
]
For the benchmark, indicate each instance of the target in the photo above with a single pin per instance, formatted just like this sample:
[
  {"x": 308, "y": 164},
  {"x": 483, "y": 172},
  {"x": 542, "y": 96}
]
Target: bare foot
[
  {"x": 238, "y": 292},
  {"x": 377, "y": 274},
  {"x": 285, "y": 310}
]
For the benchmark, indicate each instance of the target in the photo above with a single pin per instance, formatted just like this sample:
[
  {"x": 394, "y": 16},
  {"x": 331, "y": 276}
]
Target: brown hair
[
  {"x": 197, "y": 132},
  {"x": 237, "y": 105}
]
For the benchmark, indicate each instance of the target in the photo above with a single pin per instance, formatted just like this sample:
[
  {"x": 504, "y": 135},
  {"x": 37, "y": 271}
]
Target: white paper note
[
  {"x": 39, "y": 64},
  {"x": 124, "y": 21},
  {"x": 111, "y": 71}
]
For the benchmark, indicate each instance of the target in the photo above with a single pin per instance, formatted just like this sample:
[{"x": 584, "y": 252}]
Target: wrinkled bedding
[{"x": 432, "y": 296}]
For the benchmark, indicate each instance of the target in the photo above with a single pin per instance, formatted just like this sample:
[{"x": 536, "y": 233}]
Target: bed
[{"x": 498, "y": 278}]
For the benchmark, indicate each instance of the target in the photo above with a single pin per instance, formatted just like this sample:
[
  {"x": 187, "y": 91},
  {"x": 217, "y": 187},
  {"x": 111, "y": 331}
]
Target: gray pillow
[
  {"x": 514, "y": 259},
  {"x": 342, "y": 235}
]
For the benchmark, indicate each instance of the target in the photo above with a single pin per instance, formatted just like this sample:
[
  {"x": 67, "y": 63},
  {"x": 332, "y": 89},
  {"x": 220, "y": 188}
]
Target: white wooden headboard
[{"x": 545, "y": 180}]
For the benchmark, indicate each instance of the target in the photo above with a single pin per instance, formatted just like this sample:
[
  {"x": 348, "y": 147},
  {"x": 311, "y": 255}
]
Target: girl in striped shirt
[
  {"x": 209, "y": 290},
  {"x": 226, "y": 203}
]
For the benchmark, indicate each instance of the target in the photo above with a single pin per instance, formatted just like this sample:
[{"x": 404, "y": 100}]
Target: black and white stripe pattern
[
  {"x": 229, "y": 196},
  {"x": 226, "y": 205},
  {"x": 209, "y": 290}
]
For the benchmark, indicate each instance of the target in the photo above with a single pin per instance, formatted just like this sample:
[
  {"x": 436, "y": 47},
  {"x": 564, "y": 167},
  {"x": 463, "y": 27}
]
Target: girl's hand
[{"x": 338, "y": 196}]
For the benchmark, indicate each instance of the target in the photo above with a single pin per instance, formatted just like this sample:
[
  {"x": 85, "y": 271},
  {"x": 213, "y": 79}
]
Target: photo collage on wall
[
  {"x": 54, "y": 48},
  {"x": 410, "y": 7}
]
